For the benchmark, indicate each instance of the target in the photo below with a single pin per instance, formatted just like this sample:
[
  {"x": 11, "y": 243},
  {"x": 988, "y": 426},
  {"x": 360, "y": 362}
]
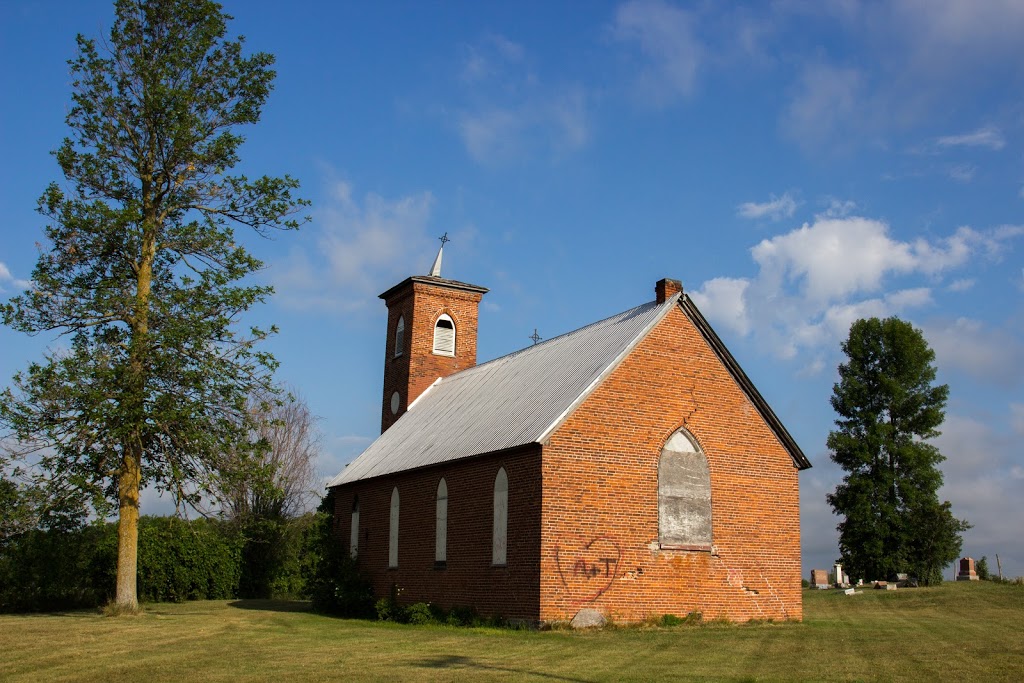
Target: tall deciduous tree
[
  {"x": 143, "y": 274},
  {"x": 888, "y": 407},
  {"x": 278, "y": 479},
  {"x": 272, "y": 486}
]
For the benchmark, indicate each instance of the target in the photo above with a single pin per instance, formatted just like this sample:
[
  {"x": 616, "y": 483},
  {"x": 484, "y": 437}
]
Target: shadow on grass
[
  {"x": 273, "y": 605},
  {"x": 83, "y": 613},
  {"x": 460, "y": 662}
]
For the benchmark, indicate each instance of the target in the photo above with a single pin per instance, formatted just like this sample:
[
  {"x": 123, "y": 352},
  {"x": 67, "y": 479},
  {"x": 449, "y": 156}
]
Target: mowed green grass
[{"x": 956, "y": 632}]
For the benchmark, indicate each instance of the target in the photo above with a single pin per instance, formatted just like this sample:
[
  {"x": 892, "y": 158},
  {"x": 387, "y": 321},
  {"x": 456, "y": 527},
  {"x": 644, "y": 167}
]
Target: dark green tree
[
  {"x": 982, "y": 569},
  {"x": 19, "y": 509},
  {"x": 888, "y": 408},
  {"x": 142, "y": 273}
]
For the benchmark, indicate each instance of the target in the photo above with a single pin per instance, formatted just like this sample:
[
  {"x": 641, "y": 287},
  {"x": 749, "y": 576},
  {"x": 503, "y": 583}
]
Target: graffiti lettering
[{"x": 589, "y": 569}]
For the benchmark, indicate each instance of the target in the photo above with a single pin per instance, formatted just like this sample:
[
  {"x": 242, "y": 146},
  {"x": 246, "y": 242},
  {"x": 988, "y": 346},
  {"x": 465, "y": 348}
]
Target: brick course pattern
[
  {"x": 468, "y": 577},
  {"x": 599, "y": 531},
  {"x": 583, "y": 507},
  {"x": 421, "y": 304}
]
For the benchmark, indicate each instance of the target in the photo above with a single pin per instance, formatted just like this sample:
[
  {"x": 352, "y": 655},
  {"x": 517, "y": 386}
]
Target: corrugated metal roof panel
[{"x": 511, "y": 401}]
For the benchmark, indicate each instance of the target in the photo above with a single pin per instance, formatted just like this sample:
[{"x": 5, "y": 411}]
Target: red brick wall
[
  {"x": 468, "y": 578},
  {"x": 417, "y": 368},
  {"x": 600, "y": 515}
]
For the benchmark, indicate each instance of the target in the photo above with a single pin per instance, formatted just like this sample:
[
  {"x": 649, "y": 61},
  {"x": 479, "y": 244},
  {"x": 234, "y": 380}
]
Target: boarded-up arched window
[
  {"x": 353, "y": 537},
  {"x": 684, "y": 494},
  {"x": 500, "y": 530},
  {"x": 444, "y": 336},
  {"x": 393, "y": 531},
  {"x": 400, "y": 336},
  {"x": 441, "y": 533}
]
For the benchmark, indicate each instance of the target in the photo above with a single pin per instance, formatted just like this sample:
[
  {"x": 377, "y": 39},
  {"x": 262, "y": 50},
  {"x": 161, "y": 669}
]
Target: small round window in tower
[{"x": 396, "y": 400}]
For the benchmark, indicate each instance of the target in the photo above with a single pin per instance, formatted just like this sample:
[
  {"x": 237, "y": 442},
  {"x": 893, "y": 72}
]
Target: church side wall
[
  {"x": 600, "y": 545},
  {"x": 468, "y": 578}
]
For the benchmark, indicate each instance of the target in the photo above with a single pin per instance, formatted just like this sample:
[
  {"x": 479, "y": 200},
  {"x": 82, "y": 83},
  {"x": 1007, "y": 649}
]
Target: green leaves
[
  {"x": 142, "y": 271},
  {"x": 888, "y": 408}
]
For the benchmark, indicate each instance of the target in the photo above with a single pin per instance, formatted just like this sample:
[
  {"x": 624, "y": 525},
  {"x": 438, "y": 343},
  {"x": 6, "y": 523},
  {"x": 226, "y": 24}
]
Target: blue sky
[{"x": 796, "y": 164}]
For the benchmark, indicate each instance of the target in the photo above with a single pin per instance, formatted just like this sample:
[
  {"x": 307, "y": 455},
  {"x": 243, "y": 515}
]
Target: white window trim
[
  {"x": 393, "y": 531},
  {"x": 400, "y": 336},
  {"x": 441, "y": 526},
  {"x": 499, "y": 530},
  {"x": 682, "y": 443},
  {"x": 439, "y": 347},
  {"x": 353, "y": 542}
]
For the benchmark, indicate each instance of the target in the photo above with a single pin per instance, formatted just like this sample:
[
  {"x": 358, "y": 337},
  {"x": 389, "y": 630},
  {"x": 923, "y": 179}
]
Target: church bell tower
[{"x": 431, "y": 333}]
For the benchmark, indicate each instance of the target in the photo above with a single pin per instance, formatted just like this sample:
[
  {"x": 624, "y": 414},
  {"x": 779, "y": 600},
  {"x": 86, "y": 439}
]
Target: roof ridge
[{"x": 546, "y": 342}]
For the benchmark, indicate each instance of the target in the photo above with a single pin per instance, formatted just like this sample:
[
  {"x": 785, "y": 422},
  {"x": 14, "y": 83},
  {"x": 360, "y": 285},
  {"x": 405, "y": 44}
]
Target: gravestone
[
  {"x": 842, "y": 580},
  {"x": 967, "y": 572},
  {"x": 819, "y": 578}
]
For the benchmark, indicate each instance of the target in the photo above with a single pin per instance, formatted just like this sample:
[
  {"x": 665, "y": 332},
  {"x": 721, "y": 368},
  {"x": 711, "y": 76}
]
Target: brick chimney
[{"x": 666, "y": 288}]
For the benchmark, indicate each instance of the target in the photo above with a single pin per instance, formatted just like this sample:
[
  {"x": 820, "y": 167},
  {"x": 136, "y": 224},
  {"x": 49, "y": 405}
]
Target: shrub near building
[{"x": 179, "y": 559}]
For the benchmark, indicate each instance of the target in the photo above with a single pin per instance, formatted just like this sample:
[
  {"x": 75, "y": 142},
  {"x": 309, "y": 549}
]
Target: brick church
[{"x": 628, "y": 467}]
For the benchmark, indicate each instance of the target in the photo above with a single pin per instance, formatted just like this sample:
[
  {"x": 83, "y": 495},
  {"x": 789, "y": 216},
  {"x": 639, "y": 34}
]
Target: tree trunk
[
  {"x": 128, "y": 531},
  {"x": 130, "y": 476}
]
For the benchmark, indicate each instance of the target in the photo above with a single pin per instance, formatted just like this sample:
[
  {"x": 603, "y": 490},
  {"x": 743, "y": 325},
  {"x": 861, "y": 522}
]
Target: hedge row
[{"x": 179, "y": 560}]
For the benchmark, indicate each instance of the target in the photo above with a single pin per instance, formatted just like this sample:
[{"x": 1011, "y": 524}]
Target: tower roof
[{"x": 432, "y": 280}]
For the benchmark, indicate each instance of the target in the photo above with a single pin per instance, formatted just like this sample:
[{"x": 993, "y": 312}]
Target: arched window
[
  {"x": 400, "y": 336},
  {"x": 500, "y": 530},
  {"x": 684, "y": 494},
  {"x": 441, "y": 529},
  {"x": 393, "y": 533},
  {"x": 444, "y": 336},
  {"x": 353, "y": 538}
]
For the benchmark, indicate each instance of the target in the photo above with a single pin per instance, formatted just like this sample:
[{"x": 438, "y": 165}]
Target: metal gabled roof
[{"x": 511, "y": 401}]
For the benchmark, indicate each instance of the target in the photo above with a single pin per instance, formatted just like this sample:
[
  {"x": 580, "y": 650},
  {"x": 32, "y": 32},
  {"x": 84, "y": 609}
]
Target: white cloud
[
  {"x": 987, "y": 136},
  {"x": 500, "y": 135},
  {"x": 491, "y": 134},
  {"x": 834, "y": 323},
  {"x": 951, "y": 34},
  {"x": 1017, "y": 417},
  {"x": 814, "y": 281},
  {"x": 962, "y": 173},
  {"x": 775, "y": 208},
  {"x": 6, "y": 278},
  {"x": 839, "y": 208},
  {"x": 1001, "y": 235},
  {"x": 490, "y": 57},
  {"x": 509, "y": 114},
  {"x": 725, "y": 296},
  {"x": 961, "y": 285},
  {"x": 985, "y": 354},
  {"x": 982, "y": 481},
  {"x": 665, "y": 35},
  {"x": 829, "y": 101},
  {"x": 922, "y": 56},
  {"x": 361, "y": 247},
  {"x": 952, "y": 251},
  {"x": 833, "y": 257}
]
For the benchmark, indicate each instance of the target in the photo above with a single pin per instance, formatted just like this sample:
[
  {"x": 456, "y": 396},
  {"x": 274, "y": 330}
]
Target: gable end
[{"x": 704, "y": 327}]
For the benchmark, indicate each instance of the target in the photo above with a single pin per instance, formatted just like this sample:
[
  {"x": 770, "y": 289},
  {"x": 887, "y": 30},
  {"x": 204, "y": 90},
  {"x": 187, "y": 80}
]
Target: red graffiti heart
[{"x": 589, "y": 570}]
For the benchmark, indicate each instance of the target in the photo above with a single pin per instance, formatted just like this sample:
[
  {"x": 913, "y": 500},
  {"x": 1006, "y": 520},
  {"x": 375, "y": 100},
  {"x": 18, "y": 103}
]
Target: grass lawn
[{"x": 956, "y": 632}]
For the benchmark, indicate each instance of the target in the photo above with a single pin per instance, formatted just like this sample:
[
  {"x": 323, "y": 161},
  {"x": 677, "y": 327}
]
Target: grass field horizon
[{"x": 956, "y": 631}]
